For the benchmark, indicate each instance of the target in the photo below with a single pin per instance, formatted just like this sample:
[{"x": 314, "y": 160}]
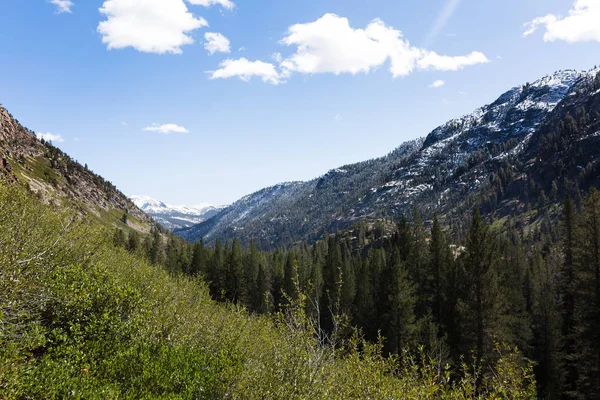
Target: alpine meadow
[{"x": 461, "y": 260}]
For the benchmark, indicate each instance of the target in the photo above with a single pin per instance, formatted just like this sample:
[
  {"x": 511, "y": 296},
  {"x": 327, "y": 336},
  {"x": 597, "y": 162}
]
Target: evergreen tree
[
  {"x": 133, "y": 241},
  {"x": 567, "y": 290},
  {"x": 250, "y": 290},
  {"x": 216, "y": 273},
  {"x": 397, "y": 307},
  {"x": 119, "y": 238},
  {"x": 438, "y": 257},
  {"x": 290, "y": 277},
  {"x": 348, "y": 279},
  {"x": 587, "y": 311},
  {"x": 234, "y": 272},
  {"x": 157, "y": 254},
  {"x": 481, "y": 306},
  {"x": 264, "y": 298},
  {"x": 198, "y": 266}
]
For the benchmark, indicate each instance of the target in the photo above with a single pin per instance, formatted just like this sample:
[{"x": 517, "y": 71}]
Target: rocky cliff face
[{"x": 57, "y": 177}]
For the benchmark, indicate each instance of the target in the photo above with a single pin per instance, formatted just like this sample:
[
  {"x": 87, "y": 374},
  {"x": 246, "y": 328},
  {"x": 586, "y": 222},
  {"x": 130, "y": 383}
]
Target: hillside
[
  {"x": 59, "y": 179},
  {"x": 496, "y": 155}
]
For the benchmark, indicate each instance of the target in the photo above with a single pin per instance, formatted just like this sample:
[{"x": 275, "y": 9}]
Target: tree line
[{"x": 458, "y": 295}]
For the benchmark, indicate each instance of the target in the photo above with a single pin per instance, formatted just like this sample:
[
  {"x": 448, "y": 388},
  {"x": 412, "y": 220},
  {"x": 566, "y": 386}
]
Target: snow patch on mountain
[{"x": 175, "y": 217}]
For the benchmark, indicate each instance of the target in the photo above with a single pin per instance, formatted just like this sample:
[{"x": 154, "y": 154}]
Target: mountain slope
[
  {"x": 59, "y": 179},
  {"x": 175, "y": 217},
  {"x": 456, "y": 165}
]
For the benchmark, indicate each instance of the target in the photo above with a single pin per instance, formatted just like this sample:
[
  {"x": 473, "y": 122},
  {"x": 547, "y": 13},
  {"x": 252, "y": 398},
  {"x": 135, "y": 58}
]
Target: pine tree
[
  {"x": 119, "y": 238},
  {"x": 587, "y": 311},
  {"x": 348, "y": 289},
  {"x": 133, "y": 241},
  {"x": 417, "y": 266},
  {"x": 397, "y": 305},
  {"x": 567, "y": 291},
  {"x": 157, "y": 256},
  {"x": 198, "y": 266},
  {"x": 481, "y": 306},
  {"x": 437, "y": 270},
  {"x": 216, "y": 273},
  {"x": 250, "y": 290},
  {"x": 234, "y": 272},
  {"x": 364, "y": 300},
  {"x": 264, "y": 298},
  {"x": 332, "y": 280},
  {"x": 546, "y": 323},
  {"x": 290, "y": 277}
]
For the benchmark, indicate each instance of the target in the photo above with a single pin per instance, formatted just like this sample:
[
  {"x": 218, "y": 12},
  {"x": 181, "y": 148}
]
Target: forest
[
  {"x": 88, "y": 313},
  {"x": 456, "y": 297}
]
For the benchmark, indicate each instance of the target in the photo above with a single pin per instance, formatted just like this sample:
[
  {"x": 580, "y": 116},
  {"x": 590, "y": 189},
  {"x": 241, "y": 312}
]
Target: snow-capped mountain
[
  {"x": 175, "y": 217},
  {"x": 499, "y": 150}
]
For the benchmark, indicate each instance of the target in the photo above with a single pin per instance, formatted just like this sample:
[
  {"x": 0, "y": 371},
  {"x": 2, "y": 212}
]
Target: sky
[{"x": 194, "y": 101}]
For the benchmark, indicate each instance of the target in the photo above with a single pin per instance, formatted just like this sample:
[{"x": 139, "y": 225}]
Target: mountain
[
  {"x": 174, "y": 217},
  {"x": 57, "y": 178},
  {"x": 489, "y": 157}
]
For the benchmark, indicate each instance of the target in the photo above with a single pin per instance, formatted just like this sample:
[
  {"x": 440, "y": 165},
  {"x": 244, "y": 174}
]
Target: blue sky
[{"x": 132, "y": 89}]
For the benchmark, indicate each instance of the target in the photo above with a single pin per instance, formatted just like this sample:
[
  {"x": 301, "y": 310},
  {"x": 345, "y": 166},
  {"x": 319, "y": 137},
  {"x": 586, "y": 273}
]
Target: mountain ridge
[
  {"x": 174, "y": 217},
  {"x": 453, "y": 162},
  {"x": 58, "y": 178}
]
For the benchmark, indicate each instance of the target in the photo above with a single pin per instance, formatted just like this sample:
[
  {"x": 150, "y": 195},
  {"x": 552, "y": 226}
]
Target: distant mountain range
[
  {"x": 535, "y": 143},
  {"x": 504, "y": 156},
  {"x": 175, "y": 217}
]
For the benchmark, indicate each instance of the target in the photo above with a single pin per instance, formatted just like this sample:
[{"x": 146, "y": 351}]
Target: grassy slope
[{"x": 82, "y": 319}]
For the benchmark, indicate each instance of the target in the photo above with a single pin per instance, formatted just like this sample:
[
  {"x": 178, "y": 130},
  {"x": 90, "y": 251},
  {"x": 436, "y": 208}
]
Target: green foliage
[{"x": 81, "y": 318}]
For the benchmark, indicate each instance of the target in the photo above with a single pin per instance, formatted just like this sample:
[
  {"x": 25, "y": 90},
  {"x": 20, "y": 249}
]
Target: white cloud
[
  {"x": 338, "y": 117},
  {"x": 215, "y": 42},
  {"x": 245, "y": 70},
  {"x": 50, "y": 137},
  {"x": 151, "y": 26},
  {"x": 62, "y": 6},
  {"x": 228, "y": 4},
  {"x": 277, "y": 57},
  {"x": 437, "y": 84},
  {"x": 166, "y": 129},
  {"x": 581, "y": 25},
  {"x": 431, "y": 60},
  {"x": 441, "y": 21},
  {"x": 331, "y": 45},
  {"x": 124, "y": 123}
]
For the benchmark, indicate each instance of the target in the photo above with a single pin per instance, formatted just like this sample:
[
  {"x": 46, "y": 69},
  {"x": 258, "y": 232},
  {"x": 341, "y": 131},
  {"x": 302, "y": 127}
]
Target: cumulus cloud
[
  {"x": 50, "y": 137},
  {"x": 437, "y": 84},
  {"x": 216, "y": 42},
  {"x": 62, "y": 6},
  {"x": 431, "y": 60},
  {"x": 581, "y": 25},
  {"x": 244, "y": 69},
  {"x": 207, "y": 3},
  {"x": 151, "y": 26},
  {"x": 331, "y": 45},
  {"x": 166, "y": 129}
]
